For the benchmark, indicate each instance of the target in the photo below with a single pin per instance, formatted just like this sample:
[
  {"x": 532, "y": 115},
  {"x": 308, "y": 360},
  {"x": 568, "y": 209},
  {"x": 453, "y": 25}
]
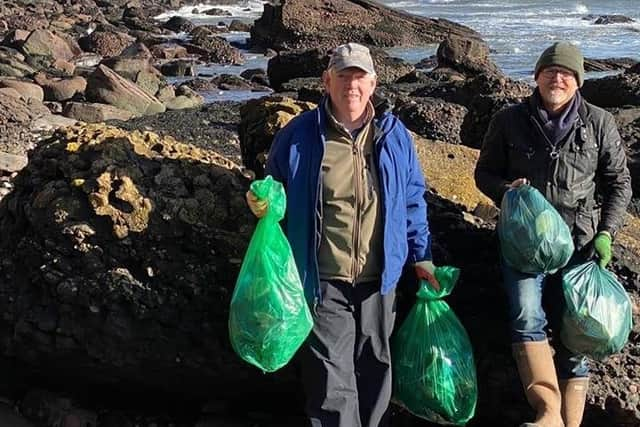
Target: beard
[{"x": 557, "y": 96}]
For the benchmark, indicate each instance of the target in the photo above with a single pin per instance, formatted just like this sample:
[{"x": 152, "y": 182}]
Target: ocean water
[
  {"x": 243, "y": 10},
  {"x": 516, "y": 30}
]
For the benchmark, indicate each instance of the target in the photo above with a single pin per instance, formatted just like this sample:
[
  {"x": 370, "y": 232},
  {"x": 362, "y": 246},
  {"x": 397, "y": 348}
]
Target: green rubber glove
[{"x": 602, "y": 245}]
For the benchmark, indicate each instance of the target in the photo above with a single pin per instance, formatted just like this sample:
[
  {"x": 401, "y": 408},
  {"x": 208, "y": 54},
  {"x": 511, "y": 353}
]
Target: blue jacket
[{"x": 295, "y": 160}]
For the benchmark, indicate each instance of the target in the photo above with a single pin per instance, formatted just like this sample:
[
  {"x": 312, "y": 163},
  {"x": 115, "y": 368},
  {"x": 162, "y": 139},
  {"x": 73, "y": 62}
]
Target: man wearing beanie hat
[
  {"x": 356, "y": 213},
  {"x": 571, "y": 151},
  {"x": 562, "y": 54}
]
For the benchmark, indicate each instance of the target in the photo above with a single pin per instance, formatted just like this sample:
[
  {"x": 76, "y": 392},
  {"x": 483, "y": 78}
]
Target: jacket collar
[
  {"x": 383, "y": 121},
  {"x": 583, "y": 112}
]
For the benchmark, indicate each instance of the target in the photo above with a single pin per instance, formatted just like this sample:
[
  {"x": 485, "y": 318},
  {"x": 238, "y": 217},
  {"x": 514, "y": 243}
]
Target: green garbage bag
[
  {"x": 533, "y": 236},
  {"x": 598, "y": 318},
  {"x": 434, "y": 375},
  {"x": 269, "y": 318}
]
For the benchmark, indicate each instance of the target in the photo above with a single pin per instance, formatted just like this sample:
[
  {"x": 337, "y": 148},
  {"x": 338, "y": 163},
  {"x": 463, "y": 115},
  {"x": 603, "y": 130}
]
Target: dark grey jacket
[{"x": 585, "y": 177}]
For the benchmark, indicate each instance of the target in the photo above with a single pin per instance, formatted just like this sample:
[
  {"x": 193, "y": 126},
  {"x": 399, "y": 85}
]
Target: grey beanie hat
[{"x": 565, "y": 55}]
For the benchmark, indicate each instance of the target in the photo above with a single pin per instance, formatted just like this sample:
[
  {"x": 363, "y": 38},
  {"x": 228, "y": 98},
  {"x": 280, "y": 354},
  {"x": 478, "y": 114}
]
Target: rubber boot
[
  {"x": 574, "y": 395},
  {"x": 540, "y": 382}
]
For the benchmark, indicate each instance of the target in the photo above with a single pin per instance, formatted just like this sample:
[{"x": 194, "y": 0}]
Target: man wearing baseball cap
[
  {"x": 356, "y": 213},
  {"x": 571, "y": 152}
]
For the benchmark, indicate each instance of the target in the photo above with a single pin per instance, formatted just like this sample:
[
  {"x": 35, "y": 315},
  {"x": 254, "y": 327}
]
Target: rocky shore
[{"x": 123, "y": 224}]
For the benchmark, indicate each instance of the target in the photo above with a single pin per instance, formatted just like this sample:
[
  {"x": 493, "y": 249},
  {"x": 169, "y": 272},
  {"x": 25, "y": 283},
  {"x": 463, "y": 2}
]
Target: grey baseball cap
[{"x": 351, "y": 55}]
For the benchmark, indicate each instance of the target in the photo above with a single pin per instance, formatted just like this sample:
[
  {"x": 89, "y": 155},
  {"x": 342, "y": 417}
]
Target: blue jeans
[{"x": 528, "y": 319}]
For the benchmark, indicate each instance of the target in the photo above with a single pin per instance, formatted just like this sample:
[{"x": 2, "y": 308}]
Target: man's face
[
  {"x": 350, "y": 90},
  {"x": 557, "y": 86}
]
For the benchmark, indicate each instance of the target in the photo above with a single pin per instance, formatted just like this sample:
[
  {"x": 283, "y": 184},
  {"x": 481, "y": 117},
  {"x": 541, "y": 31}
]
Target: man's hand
[
  {"x": 518, "y": 182},
  {"x": 602, "y": 245},
  {"x": 425, "y": 270},
  {"x": 258, "y": 207}
]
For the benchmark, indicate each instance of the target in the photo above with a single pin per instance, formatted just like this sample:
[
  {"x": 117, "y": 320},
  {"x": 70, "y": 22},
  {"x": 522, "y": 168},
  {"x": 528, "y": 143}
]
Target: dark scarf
[{"x": 556, "y": 128}]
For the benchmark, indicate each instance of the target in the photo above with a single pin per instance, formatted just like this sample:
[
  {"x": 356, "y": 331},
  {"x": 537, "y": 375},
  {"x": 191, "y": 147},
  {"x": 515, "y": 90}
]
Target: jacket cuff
[
  {"x": 609, "y": 230},
  {"x": 423, "y": 255}
]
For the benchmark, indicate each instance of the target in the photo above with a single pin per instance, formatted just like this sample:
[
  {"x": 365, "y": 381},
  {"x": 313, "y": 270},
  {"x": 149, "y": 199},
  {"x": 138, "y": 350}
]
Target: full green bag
[
  {"x": 269, "y": 318},
  {"x": 434, "y": 375},
  {"x": 598, "y": 318},
  {"x": 533, "y": 236}
]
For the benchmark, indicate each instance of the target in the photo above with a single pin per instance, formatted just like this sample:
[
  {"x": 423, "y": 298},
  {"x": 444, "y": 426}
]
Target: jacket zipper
[
  {"x": 317, "y": 295},
  {"x": 551, "y": 145},
  {"x": 554, "y": 154},
  {"x": 377, "y": 148},
  {"x": 355, "y": 239}
]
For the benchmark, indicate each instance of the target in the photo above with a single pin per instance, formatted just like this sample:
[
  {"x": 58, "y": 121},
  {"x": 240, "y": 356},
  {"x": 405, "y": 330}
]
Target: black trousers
[{"x": 346, "y": 361}]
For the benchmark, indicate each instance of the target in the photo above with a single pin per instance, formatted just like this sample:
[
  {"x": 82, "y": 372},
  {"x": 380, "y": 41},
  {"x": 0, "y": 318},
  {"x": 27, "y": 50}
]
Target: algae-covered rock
[
  {"x": 260, "y": 119},
  {"x": 119, "y": 253}
]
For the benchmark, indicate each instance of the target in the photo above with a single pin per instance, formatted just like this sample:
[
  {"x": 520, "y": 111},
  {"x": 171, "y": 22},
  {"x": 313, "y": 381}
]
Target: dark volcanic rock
[
  {"x": 106, "y": 43},
  {"x": 613, "y": 91},
  {"x": 467, "y": 56},
  {"x": 608, "y": 64},
  {"x": 231, "y": 82},
  {"x": 288, "y": 65},
  {"x": 309, "y": 89},
  {"x": 389, "y": 69},
  {"x": 179, "y": 24},
  {"x": 237, "y": 25},
  {"x": 217, "y": 12},
  {"x": 202, "y": 85},
  {"x": 433, "y": 118},
  {"x": 17, "y": 16},
  {"x": 119, "y": 252},
  {"x": 483, "y": 96},
  {"x": 256, "y": 75},
  {"x": 492, "y": 95},
  {"x": 211, "y": 127},
  {"x": 628, "y": 121},
  {"x": 221, "y": 82},
  {"x": 214, "y": 49},
  {"x": 427, "y": 63},
  {"x": 137, "y": 18},
  {"x": 612, "y": 19},
  {"x": 178, "y": 68},
  {"x": 295, "y": 24},
  {"x": 635, "y": 69},
  {"x": 300, "y": 63}
]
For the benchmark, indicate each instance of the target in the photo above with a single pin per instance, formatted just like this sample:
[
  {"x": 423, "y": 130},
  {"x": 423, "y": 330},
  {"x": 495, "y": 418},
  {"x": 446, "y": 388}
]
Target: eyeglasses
[{"x": 550, "y": 72}]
